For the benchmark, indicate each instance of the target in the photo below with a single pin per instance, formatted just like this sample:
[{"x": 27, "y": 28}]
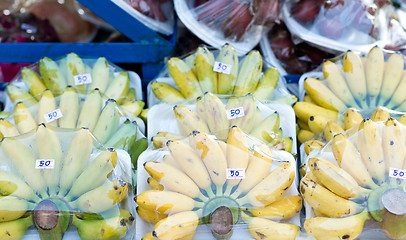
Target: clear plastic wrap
[
  {"x": 237, "y": 189},
  {"x": 355, "y": 184},
  {"x": 82, "y": 74},
  {"x": 221, "y": 72},
  {"x": 273, "y": 123},
  {"x": 59, "y": 183}
]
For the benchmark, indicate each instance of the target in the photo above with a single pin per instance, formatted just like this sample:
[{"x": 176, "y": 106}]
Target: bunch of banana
[
  {"x": 215, "y": 117},
  {"x": 76, "y": 73},
  {"x": 348, "y": 190},
  {"x": 358, "y": 82},
  {"x": 199, "y": 182},
  {"x": 202, "y": 72},
  {"x": 57, "y": 177}
]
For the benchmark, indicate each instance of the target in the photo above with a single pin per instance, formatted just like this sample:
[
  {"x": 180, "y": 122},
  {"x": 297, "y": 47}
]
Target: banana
[
  {"x": 102, "y": 198},
  {"x": 391, "y": 77},
  {"x": 124, "y": 137},
  {"x": 308, "y": 99},
  {"x": 16, "y": 229},
  {"x": 271, "y": 188},
  {"x": 226, "y": 82},
  {"x": 335, "y": 179},
  {"x": 352, "y": 118},
  {"x": 267, "y": 84},
  {"x": 154, "y": 184},
  {"x": 150, "y": 216},
  {"x": 380, "y": 114},
  {"x": 190, "y": 163},
  {"x": 317, "y": 124},
  {"x": 118, "y": 87},
  {"x": 302, "y": 124},
  {"x": 320, "y": 198},
  {"x": 262, "y": 228},
  {"x": 267, "y": 128},
  {"x": 52, "y": 75},
  {"x": 304, "y": 135},
  {"x": 112, "y": 228},
  {"x": 374, "y": 203},
  {"x": 184, "y": 78},
  {"x": 337, "y": 83},
  {"x": 169, "y": 159},
  {"x": 12, "y": 208},
  {"x": 172, "y": 179},
  {"x": 213, "y": 112},
  {"x": 188, "y": 120},
  {"x": 74, "y": 66},
  {"x": 204, "y": 62},
  {"x": 353, "y": 69},
  {"x": 370, "y": 149},
  {"x": 282, "y": 209},
  {"x": 47, "y": 104},
  {"x": 248, "y": 74},
  {"x": 130, "y": 96},
  {"x": 401, "y": 107},
  {"x": 76, "y": 159},
  {"x": 398, "y": 96},
  {"x": 18, "y": 94},
  {"x": 402, "y": 119},
  {"x": 247, "y": 102},
  {"x": 336, "y": 228},
  {"x": 288, "y": 99},
  {"x": 304, "y": 110},
  {"x": 149, "y": 236},
  {"x": 108, "y": 121},
  {"x": 178, "y": 226},
  {"x": 11, "y": 184},
  {"x": 100, "y": 75},
  {"x": 132, "y": 108},
  {"x": 166, "y": 92},
  {"x": 332, "y": 129},
  {"x": 190, "y": 61},
  {"x": 161, "y": 138},
  {"x": 349, "y": 160},
  {"x": 165, "y": 202},
  {"x": 69, "y": 105},
  {"x": 313, "y": 145},
  {"x": 393, "y": 144},
  {"x": 374, "y": 72},
  {"x": 33, "y": 82},
  {"x": 321, "y": 95},
  {"x": 213, "y": 158},
  {"x": 90, "y": 111},
  {"x": 95, "y": 174},
  {"x": 7, "y": 128},
  {"x": 24, "y": 160}
]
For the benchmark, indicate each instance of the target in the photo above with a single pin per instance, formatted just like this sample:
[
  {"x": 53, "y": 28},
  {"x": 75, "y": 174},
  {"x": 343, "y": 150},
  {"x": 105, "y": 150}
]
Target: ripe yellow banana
[
  {"x": 47, "y": 104},
  {"x": 12, "y": 208},
  {"x": 190, "y": 61},
  {"x": 69, "y": 105},
  {"x": 391, "y": 77},
  {"x": 354, "y": 73},
  {"x": 380, "y": 114},
  {"x": 317, "y": 124},
  {"x": 248, "y": 74},
  {"x": 178, "y": 226},
  {"x": 52, "y": 75},
  {"x": 18, "y": 94},
  {"x": 352, "y": 118},
  {"x": 15, "y": 229},
  {"x": 262, "y": 228},
  {"x": 13, "y": 184},
  {"x": 304, "y": 110},
  {"x": 313, "y": 145},
  {"x": 267, "y": 84},
  {"x": 165, "y": 202},
  {"x": 308, "y": 99},
  {"x": 336, "y": 228},
  {"x": 33, "y": 82},
  {"x": 204, "y": 62},
  {"x": 282, "y": 209},
  {"x": 304, "y": 135},
  {"x": 249, "y": 106},
  {"x": 100, "y": 75},
  {"x": 302, "y": 124},
  {"x": 118, "y": 87},
  {"x": 322, "y": 95},
  {"x": 154, "y": 184},
  {"x": 332, "y": 128},
  {"x": 326, "y": 202},
  {"x": 161, "y": 138},
  {"x": 90, "y": 110},
  {"x": 150, "y": 216},
  {"x": 393, "y": 144},
  {"x": 108, "y": 121},
  {"x": 7, "y": 128},
  {"x": 166, "y": 92},
  {"x": 188, "y": 120},
  {"x": 226, "y": 82},
  {"x": 374, "y": 71},
  {"x": 112, "y": 228},
  {"x": 402, "y": 119},
  {"x": 184, "y": 78},
  {"x": 149, "y": 236}
]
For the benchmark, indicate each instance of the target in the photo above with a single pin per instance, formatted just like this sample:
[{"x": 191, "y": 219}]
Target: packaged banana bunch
[
  {"x": 359, "y": 81},
  {"x": 355, "y": 185},
  {"x": 82, "y": 74},
  {"x": 272, "y": 123},
  {"x": 72, "y": 110},
  {"x": 62, "y": 184},
  {"x": 220, "y": 72},
  {"x": 201, "y": 187}
]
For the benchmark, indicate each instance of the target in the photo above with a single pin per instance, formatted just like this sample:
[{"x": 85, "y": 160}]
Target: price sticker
[
  {"x": 222, "y": 67},
  {"x": 44, "y": 163},
  {"x": 51, "y": 116},
  {"x": 397, "y": 173},
  {"x": 235, "y": 112},
  {"x": 235, "y": 173},
  {"x": 82, "y": 79}
]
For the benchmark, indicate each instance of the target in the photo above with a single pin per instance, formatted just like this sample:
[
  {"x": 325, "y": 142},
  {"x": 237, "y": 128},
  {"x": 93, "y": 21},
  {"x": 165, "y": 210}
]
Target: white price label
[
  {"x": 45, "y": 163},
  {"x": 397, "y": 173},
  {"x": 51, "y": 116},
  {"x": 222, "y": 67},
  {"x": 235, "y": 112},
  {"x": 235, "y": 173},
  {"x": 82, "y": 79}
]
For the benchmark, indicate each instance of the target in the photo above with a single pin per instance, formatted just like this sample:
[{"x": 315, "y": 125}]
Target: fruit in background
[
  {"x": 238, "y": 20},
  {"x": 265, "y": 12},
  {"x": 213, "y": 12},
  {"x": 150, "y": 8},
  {"x": 306, "y": 10}
]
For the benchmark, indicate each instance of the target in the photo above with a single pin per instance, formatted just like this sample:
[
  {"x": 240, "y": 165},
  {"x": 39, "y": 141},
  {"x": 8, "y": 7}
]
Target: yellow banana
[
  {"x": 132, "y": 108},
  {"x": 262, "y": 228},
  {"x": 317, "y": 124},
  {"x": 100, "y": 75},
  {"x": 18, "y": 94},
  {"x": 108, "y": 121},
  {"x": 190, "y": 61},
  {"x": 184, "y": 78},
  {"x": 69, "y": 105},
  {"x": 352, "y": 118},
  {"x": 166, "y": 92},
  {"x": 336, "y": 228},
  {"x": 398, "y": 96},
  {"x": 304, "y": 110},
  {"x": 393, "y": 144},
  {"x": 308, "y": 99},
  {"x": 374, "y": 71},
  {"x": 391, "y": 77},
  {"x": 247, "y": 102},
  {"x": 169, "y": 159},
  {"x": 302, "y": 124},
  {"x": 150, "y": 216},
  {"x": 74, "y": 66},
  {"x": 7, "y": 128},
  {"x": 102, "y": 198},
  {"x": 178, "y": 226},
  {"x": 204, "y": 62},
  {"x": 149, "y": 236},
  {"x": 118, "y": 87},
  {"x": 52, "y": 75},
  {"x": 46, "y": 105},
  {"x": 304, "y": 135},
  {"x": 337, "y": 83},
  {"x": 144, "y": 115},
  {"x": 402, "y": 119},
  {"x": 266, "y": 128},
  {"x": 188, "y": 120},
  {"x": 12, "y": 208},
  {"x": 161, "y": 138},
  {"x": 313, "y": 145},
  {"x": 226, "y": 82},
  {"x": 267, "y": 84},
  {"x": 322, "y": 95},
  {"x": 321, "y": 199},
  {"x": 130, "y": 96},
  {"x": 380, "y": 114},
  {"x": 23, "y": 119},
  {"x": 353, "y": 69},
  {"x": 282, "y": 209},
  {"x": 154, "y": 184},
  {"x": 13, "y": 184},
  {"x": 33, "y": 82},
  {"x": 90, "y": 111},
  {"x": 15, "y": 229},
  {"x": 111, "y": 228},
  {"x": 332, "y": 128},
  {"x": 165, "y": 202},
  {"x": 248, "y": 74}
]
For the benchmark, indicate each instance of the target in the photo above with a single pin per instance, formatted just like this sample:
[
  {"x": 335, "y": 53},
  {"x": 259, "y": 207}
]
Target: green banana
[
  {"x": 267, "y": 128},
  {"x": 69, "y": 105},
  {"x": 90, "y": 111},
  {"x": 107, "y": 229},
  {"x": 33, "y": 82},
  {"x": 52, "y": 75},
  {"x": 18, "y": 94},
  {"x": 74, "y": 66},
  {"x": 100, "y": 75},
  {"x": 119, "y": 87},
  {"x": 248, "y": 75},
  {"x": 107, "y": 122},
  {"x": 15, "y": 229},
  {"x": 124, "y": 136},
  {"x": 226, "y": 82},
  {"x": 204, "y": 62},
  {"x": 267, "y": 84}
]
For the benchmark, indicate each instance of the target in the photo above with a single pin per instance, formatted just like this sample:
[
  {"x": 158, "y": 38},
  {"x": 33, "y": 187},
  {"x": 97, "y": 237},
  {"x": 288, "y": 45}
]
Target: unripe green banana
[
  {"x": 226, "y": 82},
  {"x": 100, "y": 75},
  {"x": 119, "y": 87},
  {"x": 33, "y": 82},
  {"x": 90, "y": 111},
  {"x": 52, "y": 75},
  {"x": 74, "y": 66},
  {"x": 267, "y": 84},
  {"x": 107, "y": 122},
  {"x": 204, "y": 62},
  {"x": 69, "y": 105}
]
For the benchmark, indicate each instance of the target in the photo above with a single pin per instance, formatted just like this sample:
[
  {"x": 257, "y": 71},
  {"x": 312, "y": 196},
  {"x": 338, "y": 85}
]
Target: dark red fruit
[
  {"x": 306, "y": 10},
  {"x": 238, "y": 20},
  {"x": 265, "y": 11}
]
